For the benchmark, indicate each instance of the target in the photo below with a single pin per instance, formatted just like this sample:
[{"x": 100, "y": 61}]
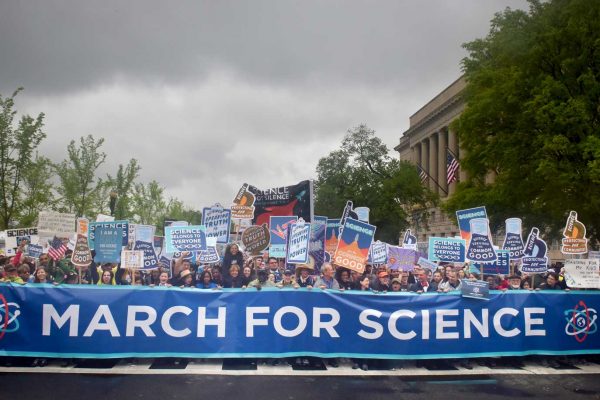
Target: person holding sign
[{"x": 551, "y": 282}]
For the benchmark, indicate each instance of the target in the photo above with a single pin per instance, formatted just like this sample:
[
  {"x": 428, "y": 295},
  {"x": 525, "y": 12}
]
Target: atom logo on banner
[
  {"x": 581, "y": 322},
  {"x": 8, "y": 320}
]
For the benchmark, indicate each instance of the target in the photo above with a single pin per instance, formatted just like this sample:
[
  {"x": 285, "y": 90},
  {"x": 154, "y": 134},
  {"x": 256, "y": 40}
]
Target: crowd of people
[{"x": 238, "y": 270}]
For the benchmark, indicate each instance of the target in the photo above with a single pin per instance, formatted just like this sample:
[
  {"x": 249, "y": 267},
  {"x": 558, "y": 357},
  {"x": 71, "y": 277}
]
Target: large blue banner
[{"x": 105, "y": 322}]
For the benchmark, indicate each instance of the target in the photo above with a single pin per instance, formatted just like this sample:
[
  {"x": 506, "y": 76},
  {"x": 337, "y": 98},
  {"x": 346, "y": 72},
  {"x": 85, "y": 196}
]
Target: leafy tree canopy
[{"x": 533, "y": 116}]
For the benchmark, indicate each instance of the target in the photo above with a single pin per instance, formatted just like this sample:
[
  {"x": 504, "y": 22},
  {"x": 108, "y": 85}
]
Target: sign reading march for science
[
  {"x": 69, "y": 321},
  {"x": 446, "y": 249}
]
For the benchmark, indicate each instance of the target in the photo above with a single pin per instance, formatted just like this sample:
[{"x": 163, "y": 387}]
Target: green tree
[
  {"x": 533, "y": 116},
  {"x": 148, "y": 203},
  {"x": 17, "y": 146},
  {"x": 80, "y": 189},
  {"x": 122, "y": 186},
  {"x": 362, "y": 171},
  {"x": 36, "y": 189}
]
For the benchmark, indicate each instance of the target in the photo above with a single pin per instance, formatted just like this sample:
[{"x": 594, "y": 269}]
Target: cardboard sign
[
  {"x": 150, "y": 259},
  {"x": 108, "y": 242},
  {"x": 354, "y": 243},
  {"x": 464, "y": 218},
  {"x": 534, "y": 259},
  {"x": 298, "y": 243},
  {"x": 243, "y": 204},
  {"x": 123, "y": 225},
  {"x": 475, "y": 289},
  {"x": 185, "y": 238},
  {"x": 55, "y": 223},
  {"x": 513, "y": 241},
  {"x": 278, "y": 230},
  {"x": 256, "y": 239},
  {"x": 582, "y": 273},
  {"x": 81, "y": 256},
  {"x": 217, "y": 221},
  {"x": 480, "y": 249},
  {"x": 14, "y": 237},
  {"x": 132, "y": 259},
  {"x": 574, "y": 241},
  {"x": 446, "y": 249},
  {"x": 400, "y": 258}
]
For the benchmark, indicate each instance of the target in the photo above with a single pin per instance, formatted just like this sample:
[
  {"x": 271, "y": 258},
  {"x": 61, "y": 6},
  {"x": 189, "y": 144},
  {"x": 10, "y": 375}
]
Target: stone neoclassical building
[{"x": 424, "y": 144}]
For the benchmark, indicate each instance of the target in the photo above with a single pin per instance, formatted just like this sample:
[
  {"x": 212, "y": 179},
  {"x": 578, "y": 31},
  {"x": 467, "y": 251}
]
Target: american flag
[
  {"x": 422, "y": 174},
  {"x": 57, "y": 249},
  {"x": 451, "y": 167}
]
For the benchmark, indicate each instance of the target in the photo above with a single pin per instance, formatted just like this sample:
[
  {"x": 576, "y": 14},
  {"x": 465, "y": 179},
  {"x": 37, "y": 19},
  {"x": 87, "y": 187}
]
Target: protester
[
  {"x": 232, "y": 256},
  {"x": 11, "y": 274},
  {"x": 326, "y": 280},
  {"x": 551, "y": 282},
  {"x": 287, "y": 280},
  {"x": 423, "y": 284},
  {"x": 452, "y": 284},
  {"x": 206, "y": 281},
  {"x": 40, "y": 276},
  {"x": 343, "y": 278},
  {"x": 303, "y": 277},
  {"x": 234, "y": 279},
  {"x": 186, "y": 279},
  {"x": 382, "y": 283},
  {"x": 107, "y": 278},
  {"x": 262, "y": 280}
]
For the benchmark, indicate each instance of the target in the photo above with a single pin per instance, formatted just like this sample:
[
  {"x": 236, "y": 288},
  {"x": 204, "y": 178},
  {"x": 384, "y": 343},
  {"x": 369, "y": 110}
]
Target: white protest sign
[
  {"x": 582, "y": 273},
  {"x": 15, "y": 236},
  {"x": 104, "y": 218},
  {"x": 132, "y": 259},
  {"x": 59, "y": 224}
]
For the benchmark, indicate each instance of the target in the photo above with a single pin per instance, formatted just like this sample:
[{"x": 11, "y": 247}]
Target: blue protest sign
[
  {"x": 217, "y": 221},
  {"x": 34, "y": 250},
  {"x": 446, "y": 249},
  {"x": 298, "y": 243},
  {"x": 475, "y": 289},
  {"x": 534, "y": 259},
  {"x": 409, "y": 241},
  {"x": 278, "y": 229},
  {"x": 150, "y": 260},
  {"x": 317, "y": 241},
  {"x": 353, "y": 247},
  {"x": 108, "y": 244},
  {"x": 425, "y": 263},
  {"x": 513, "y": 241},
  {"x": 500, "y": 267},
  {"x": 90, "y": 321},
  {"x": 464, "y": 218},
  {"x": 123, "y": 225},
  {"x": 378, "y": 253},
  {"x": 185, "y": 238},
  {"x": 480, "y": 247}
]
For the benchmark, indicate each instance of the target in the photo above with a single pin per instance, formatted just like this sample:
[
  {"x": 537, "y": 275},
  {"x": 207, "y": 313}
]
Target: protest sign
[
  {"x": 426, "y": 264},
  {"x": 286, "y": 200},
  {"x": 475, "y": 289},
  {"x": 347, "y": 213},
  {"x": 124, "y": 225},
  {"x": 378, "y": 253},
  {"x": 217, "y": 221},
  {"x": 108, "y": 242},
  {"x": 82, "y": 226},
  {"x": 353, "y": 247},
  {"x": 34, "y": 250},
  {"x": 150, "y": 259},
  {"x": 332, "y": 232},
  {"x": 480, "y": 247},
  {"x": 185, "y": 238},
  {"x": 210, "y": 255},
  {"x": 104, "y": 218},
  {"x": 256, "y": 239},
  {"x": 500, "y": 267},
  {"x": 594, "y": 254},
  {"x": 243, "y": 204},
  {"x": 574, "y": 241},
  {"x": 582, "y": 273},
  {"x": 55, "y": 223},
  {"x": 141, "y": 233},
  {"x": 278, "y": 230},
  {"x": 464, "y": 218},
  {"x": 81, "y": 256},
  {"x": 446, "y": 249},
  {"x": 409, "y": 241},
  {"x": 534, "y": 259},
  {"x": 14, "y": 237},
  {"x": 400, "y": 258},
  {"x": 513, "y": 241},
  {"x": 298, "y": 242},
  {"x": 132, "y": 259},
  {"x": 316, "y": 244},
  {"x": 362, "y": 213}
]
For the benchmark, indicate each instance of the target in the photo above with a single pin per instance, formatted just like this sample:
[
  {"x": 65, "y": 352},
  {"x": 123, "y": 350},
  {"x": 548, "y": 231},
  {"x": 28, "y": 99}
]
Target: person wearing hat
[
  {"x": 382, "y": 283},
  {"x": 286, "y": 280},
  {"x": 11, "y": 274},
  {"x": 514, "y": 282},
  {"x": 396, "y": 285},
  {"x": 262, "y": 280},
  {"x": 303, "y": 277},
  {"x": 186, "y": 279}
]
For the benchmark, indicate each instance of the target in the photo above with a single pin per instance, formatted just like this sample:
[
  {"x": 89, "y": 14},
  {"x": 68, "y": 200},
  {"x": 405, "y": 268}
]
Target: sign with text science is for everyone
[{"x": 446, "y": 249}]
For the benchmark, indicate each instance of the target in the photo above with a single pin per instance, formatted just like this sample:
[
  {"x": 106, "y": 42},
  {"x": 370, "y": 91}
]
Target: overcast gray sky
[{"x": 209, "y": 95}]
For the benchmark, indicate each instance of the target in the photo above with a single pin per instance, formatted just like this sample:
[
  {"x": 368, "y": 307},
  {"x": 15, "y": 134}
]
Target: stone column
[
  {"x": 424, "y": 154},
  {"x": 433, "y": 161},
  {"x": 442, "y": 179},
  {"x": 453, "y": 146}
]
